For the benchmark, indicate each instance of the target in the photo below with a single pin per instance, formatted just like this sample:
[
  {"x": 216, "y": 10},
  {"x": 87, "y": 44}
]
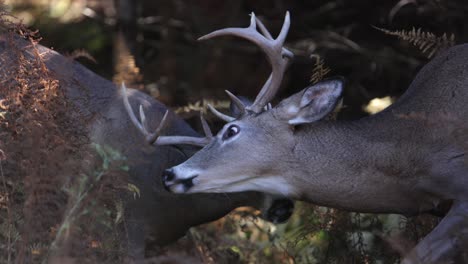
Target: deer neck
[{"x": 347, "y": 165}]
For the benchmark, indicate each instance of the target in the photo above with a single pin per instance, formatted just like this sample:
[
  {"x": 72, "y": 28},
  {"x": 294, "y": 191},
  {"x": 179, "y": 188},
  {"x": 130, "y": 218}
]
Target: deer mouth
[{"x": 174, "y": 185}]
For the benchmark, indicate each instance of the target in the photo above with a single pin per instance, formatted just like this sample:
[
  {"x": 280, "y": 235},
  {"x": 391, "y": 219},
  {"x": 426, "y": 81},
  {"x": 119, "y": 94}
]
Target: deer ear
[{"x": 313, "y": 103}]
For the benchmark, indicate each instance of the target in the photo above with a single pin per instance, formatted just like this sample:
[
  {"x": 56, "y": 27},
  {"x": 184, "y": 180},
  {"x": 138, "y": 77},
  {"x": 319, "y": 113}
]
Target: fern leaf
[
  {"x": 427, "y": 42},
  {"x": 319, "y": 71}
]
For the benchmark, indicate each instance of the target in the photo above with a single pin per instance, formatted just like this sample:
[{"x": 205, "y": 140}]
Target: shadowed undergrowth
[{"x": 53, "y": 184}]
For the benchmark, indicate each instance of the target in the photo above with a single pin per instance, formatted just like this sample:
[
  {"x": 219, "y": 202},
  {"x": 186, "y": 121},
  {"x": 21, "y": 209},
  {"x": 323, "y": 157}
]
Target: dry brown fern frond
[
  {"x": 126, "y": 68},
  {"x": 319, "y": 71},
  {"x": 81, "y": 53},
  {"x": 427, "y": 42},
  {"x": 202, "y": 106},
  {"x": 40, "y": 138}
]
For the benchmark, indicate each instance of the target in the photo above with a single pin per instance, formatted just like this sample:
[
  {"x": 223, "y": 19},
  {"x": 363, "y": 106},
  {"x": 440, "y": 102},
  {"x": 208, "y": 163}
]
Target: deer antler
[
  {"x": 225, "y": 117},
  {"x": 277, "y": 55},
  {"x": 155, "y": 137},
  {"x": 220, "y": 115}
]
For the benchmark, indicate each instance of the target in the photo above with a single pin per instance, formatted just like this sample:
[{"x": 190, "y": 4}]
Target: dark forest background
[{"x": 152, "y": 46}]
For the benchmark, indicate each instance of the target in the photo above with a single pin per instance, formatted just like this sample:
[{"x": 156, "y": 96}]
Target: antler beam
[{"x": 277, "y": 55}]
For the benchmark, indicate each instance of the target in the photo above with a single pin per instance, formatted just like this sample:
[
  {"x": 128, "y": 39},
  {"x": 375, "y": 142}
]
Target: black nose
[
  {"x": 188, "y": 183},
  {"x": 280, "y": 211},
  {"x": 168, "y": 175}
]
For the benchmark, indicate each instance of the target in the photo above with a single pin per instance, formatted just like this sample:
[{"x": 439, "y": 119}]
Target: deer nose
[
  {"x": 280, "y": 211},
  {"x": 173, "y": 184},
  {"x": 168, "y": 175}
]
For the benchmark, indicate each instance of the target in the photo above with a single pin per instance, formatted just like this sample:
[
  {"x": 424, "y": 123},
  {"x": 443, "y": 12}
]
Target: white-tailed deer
[
  {"x": 158, "y": 214},
  {"x": 408, "y": 159}
]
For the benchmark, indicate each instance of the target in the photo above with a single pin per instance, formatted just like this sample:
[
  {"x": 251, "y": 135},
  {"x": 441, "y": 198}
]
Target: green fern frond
[{"x": 427, "y": 42}]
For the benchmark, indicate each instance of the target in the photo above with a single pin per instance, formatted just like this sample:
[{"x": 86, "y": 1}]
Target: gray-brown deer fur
[
  {"x": 408, "y": 159},
  {"x": 157, "y": 214}
]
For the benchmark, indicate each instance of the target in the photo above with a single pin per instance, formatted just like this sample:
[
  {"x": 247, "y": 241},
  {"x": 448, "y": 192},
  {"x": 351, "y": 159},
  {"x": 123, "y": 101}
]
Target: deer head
[
  {"x": 249, "y": 153},
  {"x": 244, "y": 155}
]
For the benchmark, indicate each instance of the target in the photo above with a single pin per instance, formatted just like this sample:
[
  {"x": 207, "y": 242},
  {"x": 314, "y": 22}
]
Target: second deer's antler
[{"x": 155, "y": 137}]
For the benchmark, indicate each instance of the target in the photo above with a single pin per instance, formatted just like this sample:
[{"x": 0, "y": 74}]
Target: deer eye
[{"x": 231, "y": 131}]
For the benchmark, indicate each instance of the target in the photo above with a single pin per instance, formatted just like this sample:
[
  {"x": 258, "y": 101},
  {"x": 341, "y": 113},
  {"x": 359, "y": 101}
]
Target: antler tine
[
  {"x": 128, "y": 107},
  {"x": 279, "y": 62},
  {"x": 277, "y": 55},
  {"x": 197, "y": 141},
  {"x": 284, "y": 30},
  {"x": 206, "y": 127},
  {"x": 144, "y": 124},
  {"x": 263, "y": 29},
  {"x": 151, "y": 138},
  {"x": 155, "y": 138},
  {"x": 248, "y": 32},
  {"x": 236, "y": 101},
  {"x": 143, "y": 127},
  {"x": 220, "y": 115}
]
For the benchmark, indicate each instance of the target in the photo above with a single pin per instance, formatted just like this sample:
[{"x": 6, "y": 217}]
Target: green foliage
[
  {"x": 82, "y": 192},
  {"x": 108, "y": 155},
  {"x": 312, "y": 235}
]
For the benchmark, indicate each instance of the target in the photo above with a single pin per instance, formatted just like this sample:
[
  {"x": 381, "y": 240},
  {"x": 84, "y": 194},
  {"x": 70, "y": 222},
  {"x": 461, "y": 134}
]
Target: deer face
[
  {"x": 250, "y": 153},
  {"x": 232, "y": 161}
]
